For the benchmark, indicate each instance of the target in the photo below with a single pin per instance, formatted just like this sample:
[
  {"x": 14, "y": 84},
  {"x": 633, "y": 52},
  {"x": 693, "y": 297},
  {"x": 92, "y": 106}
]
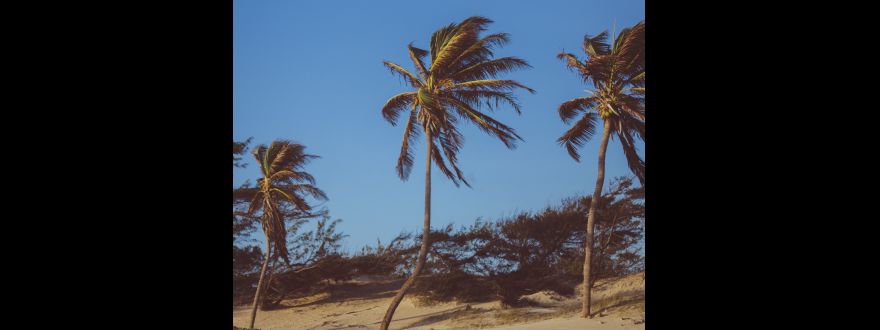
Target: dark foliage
[
  {"x": 238, "y": 149},
  {"x": 530, "y": 252},
  {"x": 521, "y": 254}
]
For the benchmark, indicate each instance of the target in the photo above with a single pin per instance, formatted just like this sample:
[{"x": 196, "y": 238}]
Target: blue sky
[{"x": 311, "y": 71}]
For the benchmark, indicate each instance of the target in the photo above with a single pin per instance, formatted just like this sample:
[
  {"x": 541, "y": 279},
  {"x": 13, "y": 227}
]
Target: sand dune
[{"x": 361, "y": 304}]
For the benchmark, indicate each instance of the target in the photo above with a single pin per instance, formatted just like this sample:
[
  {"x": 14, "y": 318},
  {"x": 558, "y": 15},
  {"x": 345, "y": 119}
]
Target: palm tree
[
  {"x": 283, "y": 184},
  {"x": 457, "y": 81},
  {"x": 617, "y": 73}
]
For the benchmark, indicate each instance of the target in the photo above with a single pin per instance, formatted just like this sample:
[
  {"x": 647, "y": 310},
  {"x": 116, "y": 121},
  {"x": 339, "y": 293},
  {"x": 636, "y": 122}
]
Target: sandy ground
[{"x": 361, "y": 304}]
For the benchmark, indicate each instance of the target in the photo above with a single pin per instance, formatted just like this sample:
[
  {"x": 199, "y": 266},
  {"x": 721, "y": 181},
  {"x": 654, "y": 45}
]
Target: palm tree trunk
[
  {"x": 258, "y": 295},
  {"x": 591, "y": 217},
  {"x": 423, "y": 252}
]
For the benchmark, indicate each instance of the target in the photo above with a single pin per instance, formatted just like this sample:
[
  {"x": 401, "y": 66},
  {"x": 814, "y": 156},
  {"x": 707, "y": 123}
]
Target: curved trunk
[
  {"x": 591, "y": 216},
  {"x": 259, "y": 292},
  {"x": 423, "y": 252}
]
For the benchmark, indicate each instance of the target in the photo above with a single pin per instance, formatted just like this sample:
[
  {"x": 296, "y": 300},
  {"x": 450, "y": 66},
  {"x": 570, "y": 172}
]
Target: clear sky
[{"x": 311, "y": 71}]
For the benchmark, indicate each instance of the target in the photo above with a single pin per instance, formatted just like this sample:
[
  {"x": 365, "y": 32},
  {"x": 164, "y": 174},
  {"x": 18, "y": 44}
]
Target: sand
[{"x": 360, "y": 304}]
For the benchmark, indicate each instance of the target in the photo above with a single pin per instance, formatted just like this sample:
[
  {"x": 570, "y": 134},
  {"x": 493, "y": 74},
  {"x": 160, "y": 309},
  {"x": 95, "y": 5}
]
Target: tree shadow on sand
[
  {"x": 439, "y": 316},
  {"x": 348, "y": 292},
  {"x": 429, "y": 318}
]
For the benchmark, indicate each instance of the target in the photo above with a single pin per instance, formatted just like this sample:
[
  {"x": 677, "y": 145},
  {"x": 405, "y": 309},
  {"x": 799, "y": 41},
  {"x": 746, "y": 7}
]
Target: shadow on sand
[{"x": 347, "y": 292}]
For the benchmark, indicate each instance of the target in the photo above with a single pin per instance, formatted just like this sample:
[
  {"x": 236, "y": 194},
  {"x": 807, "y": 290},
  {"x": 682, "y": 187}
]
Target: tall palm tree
[
  {"x": 284, "y": 183},
  {"x": 455, "y": 83},
  {"x": 617, "y": 73}
]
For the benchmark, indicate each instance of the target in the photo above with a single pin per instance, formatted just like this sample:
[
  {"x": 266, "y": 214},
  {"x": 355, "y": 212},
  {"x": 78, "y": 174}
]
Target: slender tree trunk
[
  {"x": 258, "y": 295},
  {"x": 591, "y": 217},
  {"x": 423, "y": 252}
]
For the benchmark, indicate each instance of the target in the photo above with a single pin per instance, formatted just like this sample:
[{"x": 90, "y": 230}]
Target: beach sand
[{"x": 360, "y": 304}]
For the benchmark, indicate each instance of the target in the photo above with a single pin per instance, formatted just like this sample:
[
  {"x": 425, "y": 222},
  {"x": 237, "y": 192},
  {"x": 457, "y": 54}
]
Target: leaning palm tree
[
  {"x": 452, "y": 86},
  {"x": 617, "y": 73},
  {"x": 283, "y": 184}
]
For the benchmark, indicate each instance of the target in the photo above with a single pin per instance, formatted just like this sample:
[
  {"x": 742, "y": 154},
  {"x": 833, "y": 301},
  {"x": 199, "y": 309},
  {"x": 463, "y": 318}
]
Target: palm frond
[
  {"x": 480, "y": 51},
  {"x": 406, "y": 75},
  {"x": 634, "y": 126},
  {"x": 450, "y": 141},
  {"x": 406, "y": 158},
  {"x": 288, "y": 195},
  {"x": 573, "y": 63},
  {"x": 449, "y": 51},
  {"x": 290, "y": 155},
  {"x": 397, "y": 103},
  {"x": 477, "y": 23},
  {"x": 630, "y": 48},
  {"x": 487, "y": 124},
  {"x": 635, "y": 163},
  {"x": 579, "y": 134},
  {"x": 269, "y": 158},
  {"x": 259, "y": 153},
  {"x": 492, "y": 84},
  {"x": 438, "y": 161},
  {"x": 637, "y": 81},
  {"x": 569, "y": 109},
  {"x": 632, "y": 106},
  {"x": 285, "y": 154},
  {"x": 474, "y": 98},
  {"x": 599, "y": 68},
  {"x": 597, "y": 45},
  {"x": 451, "y": 43},
  {"x": 273, "y": 227},
  {"x": 490, "y": 68},
  {"x": 295, "y": 176},
  {"x": 310, "y": 190},
  {"x": 256, "y": 203},
  {"x": 416, "y": 55},
  {"x": 440, "y": 37},
  {"x": 637, "y": 78}
]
